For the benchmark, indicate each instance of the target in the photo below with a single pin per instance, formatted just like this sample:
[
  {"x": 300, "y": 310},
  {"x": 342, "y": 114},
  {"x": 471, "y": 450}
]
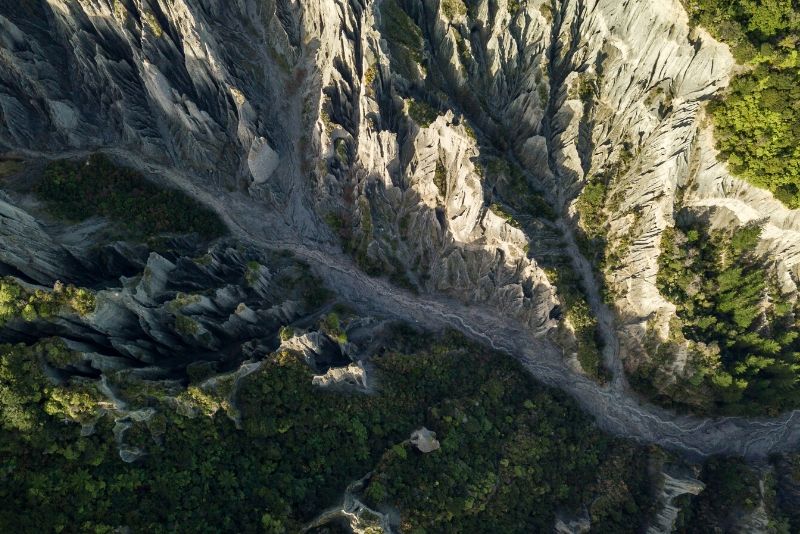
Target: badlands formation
[{"x": 426, "y": 159}]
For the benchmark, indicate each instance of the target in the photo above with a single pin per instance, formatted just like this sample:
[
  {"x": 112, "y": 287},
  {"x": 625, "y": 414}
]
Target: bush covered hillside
[
  {"x": 18, "y": 302},
  {"x": 742, "y": 334},
  {"x": 757, "y": 122},
  {"x": 78, "y": 190},
  {"x": 512, "y": 453}
]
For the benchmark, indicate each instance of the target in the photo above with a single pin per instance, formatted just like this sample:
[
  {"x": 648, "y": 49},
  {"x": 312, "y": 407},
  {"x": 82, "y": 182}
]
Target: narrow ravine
[{"x": 591, "y": 288}]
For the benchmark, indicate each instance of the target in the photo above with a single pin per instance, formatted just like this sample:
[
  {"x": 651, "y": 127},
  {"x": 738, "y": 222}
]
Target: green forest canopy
[
  {"x": 745, "y": 334},
  {"x": 78, "y": 190},
  {"x": 513, "y": 453},
  {"x": 17, "y": 301},
  {"x": 757, "y": 122}
]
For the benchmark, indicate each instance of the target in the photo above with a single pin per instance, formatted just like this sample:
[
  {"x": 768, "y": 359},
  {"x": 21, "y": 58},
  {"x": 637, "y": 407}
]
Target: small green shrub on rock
[
  {"x": 422, "y": 113},
  {"x": 16, "y": 301}
]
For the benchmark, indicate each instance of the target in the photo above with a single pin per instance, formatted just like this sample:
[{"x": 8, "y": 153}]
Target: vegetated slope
[
  {"x": 741, "y": 334},
  {"x": 728, "y": 266},
  {"x": 512, "y": 453},
  {"x": 78, "y": 190},
  {"x": 19, "y": 301},
  {"x": 737, "y": 497},
  {"x": 757, "y": 119}
]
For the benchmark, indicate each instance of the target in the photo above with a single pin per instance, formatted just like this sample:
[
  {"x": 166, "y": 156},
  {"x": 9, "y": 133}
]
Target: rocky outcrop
[
  {"x": 185, "y": 304},
  {"x": 352, "y": 377},
  {"x": 319, "y": 351},
  {"x": 673, "y": 486},
  {"x": 28, "y": 250},
  {"x": 425, "y": 440},
  {"x": 359, "y": 518},
  {"x": 413, "y": 193},
  {"x": 164, "y": 79},
  {"x": 169, "y": 82},
  {"x": 579, "y": 524},
  {"x": 208, "y": 305}
]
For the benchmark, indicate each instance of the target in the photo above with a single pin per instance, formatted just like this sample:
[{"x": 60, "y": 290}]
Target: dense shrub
[
  {"x": 516, "y": 191},
  {"x": 29, "y": 400},
  {"x": 743, "y": 332},
  {"x": 592, "y": 232},
  {"x": 510, "y": 455},
  {"x": 96, "y": 187},
  {"x": 453, "y": 8},
  {"x": 758, "y": 130},
  {"x": 579, "y": 314},
  {"x": 498, "y": 210},
  {"x": 404, "y": 38},
  {"x": 16, "y": 301},
  {"x": 422, "y": 113}
]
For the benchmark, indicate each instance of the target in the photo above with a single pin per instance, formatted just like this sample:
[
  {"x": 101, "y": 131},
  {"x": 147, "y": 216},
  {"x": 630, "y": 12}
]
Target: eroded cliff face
[
  {"x": 231, "y": 94},
  {"x": 384, "y": 123}
]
